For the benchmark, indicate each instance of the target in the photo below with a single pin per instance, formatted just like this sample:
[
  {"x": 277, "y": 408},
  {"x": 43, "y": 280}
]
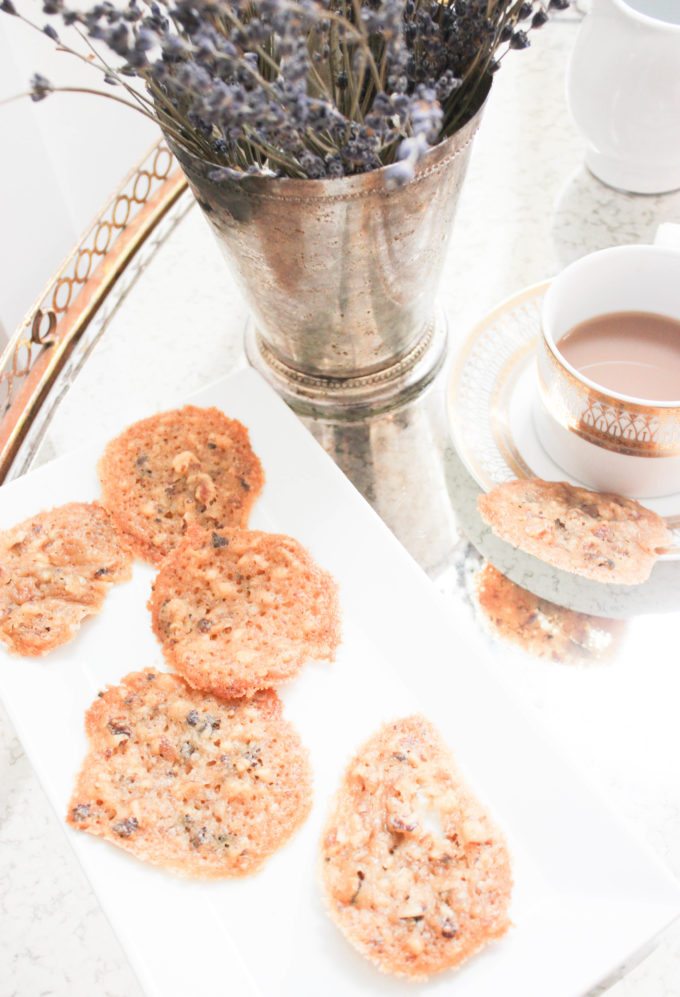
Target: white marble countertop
[{"x": 528, "y": 207}]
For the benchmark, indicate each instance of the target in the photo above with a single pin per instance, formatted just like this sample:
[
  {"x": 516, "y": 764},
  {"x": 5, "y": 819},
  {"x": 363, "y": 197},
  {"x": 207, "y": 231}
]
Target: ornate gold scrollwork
[
  {"x": 46, "y": 338},
  {"x": 36, "y": 352}
]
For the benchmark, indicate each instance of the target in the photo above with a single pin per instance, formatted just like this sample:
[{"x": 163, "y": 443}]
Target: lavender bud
[
  {"x": 334, "y": 166},
  {"x": 519, "y": 40},
  {"x": 425, "y": 114},
  {"x": 144, "y": 40},
  {"x": 174, "y": 47},
  {"x": 398, "y": 174},
  {"x": 224, "y": 173},
  {"x": 412, "y": 148},
  {"x": 118, "y": 40},
  {"x": 313, "y": 166},
  {"x": 40, "y": 87}
]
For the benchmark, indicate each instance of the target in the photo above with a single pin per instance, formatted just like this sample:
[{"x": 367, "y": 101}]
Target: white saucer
[{"x": 491, "y": 396}]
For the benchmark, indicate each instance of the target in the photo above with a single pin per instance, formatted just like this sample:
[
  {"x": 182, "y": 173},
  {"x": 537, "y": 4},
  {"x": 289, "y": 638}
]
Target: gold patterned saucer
[{"x": 491, "y": 396}]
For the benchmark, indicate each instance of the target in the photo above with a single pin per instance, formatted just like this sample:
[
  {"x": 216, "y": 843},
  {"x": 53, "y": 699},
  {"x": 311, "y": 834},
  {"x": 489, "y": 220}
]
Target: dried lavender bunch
[{"x": 298, "y": 88}]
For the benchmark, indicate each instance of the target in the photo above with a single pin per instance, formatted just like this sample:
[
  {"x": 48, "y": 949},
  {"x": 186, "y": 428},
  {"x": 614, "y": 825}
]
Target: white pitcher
[{"x": 623, "y": 90}]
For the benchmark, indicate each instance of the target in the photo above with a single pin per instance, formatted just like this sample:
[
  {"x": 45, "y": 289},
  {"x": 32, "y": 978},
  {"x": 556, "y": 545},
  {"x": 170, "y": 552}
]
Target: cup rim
[
  {"x": 548, "y": 339},
  {"x": 656, "y": 22}
]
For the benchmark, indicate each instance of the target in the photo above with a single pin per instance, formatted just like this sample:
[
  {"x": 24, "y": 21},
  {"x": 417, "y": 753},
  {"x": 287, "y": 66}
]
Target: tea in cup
[{"x": 608, "y": 409}]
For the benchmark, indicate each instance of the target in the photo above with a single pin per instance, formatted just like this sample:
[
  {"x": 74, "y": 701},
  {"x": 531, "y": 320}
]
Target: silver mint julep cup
[{"x": 340, "y": 276}]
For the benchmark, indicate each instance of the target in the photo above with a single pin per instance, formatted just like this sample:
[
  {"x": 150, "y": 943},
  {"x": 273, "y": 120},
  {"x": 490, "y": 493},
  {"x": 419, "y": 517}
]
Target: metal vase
[{"x": 341, "y": 276}]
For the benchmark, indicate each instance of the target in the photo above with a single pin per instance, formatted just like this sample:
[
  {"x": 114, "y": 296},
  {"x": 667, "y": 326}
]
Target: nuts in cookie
[
  {"x": 414, "y": 872},
  {"x": 55, "y": 570},
  {"x": 241, "y": 610},
  {"x": 177, "y": 468},
  {"x": 201, "y": 786},
  {"x": 600, "y": 536}
]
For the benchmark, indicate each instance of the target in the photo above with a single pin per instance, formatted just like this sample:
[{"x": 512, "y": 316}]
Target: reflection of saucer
[{"x": 490, "y": 401}]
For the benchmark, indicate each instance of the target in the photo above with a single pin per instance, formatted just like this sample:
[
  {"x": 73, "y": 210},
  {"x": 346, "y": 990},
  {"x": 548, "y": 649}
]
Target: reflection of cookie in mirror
[
  {"x": 542, "y": 628},
  {"x": 597, "y": 535}
]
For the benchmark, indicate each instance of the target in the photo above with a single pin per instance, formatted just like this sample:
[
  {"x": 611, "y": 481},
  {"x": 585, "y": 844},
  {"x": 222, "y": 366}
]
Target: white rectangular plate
[{"x": 587, "y": 896}]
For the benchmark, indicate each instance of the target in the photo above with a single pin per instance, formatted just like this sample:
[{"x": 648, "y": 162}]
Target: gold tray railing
[{"x": 46, "y": 339}]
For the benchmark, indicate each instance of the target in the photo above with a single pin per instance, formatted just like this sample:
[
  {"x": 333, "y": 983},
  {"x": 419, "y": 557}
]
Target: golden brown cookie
[
  {"x": 55, "y": 569},
  {"x": 541, "y": 627},
  {"x": 598, "y": 535},
  {"x": 190, "y": 465},
  {"x": 241, "y": 610},
  {"x": 413, "y": 871},
  {"x": 201, "y": 786}
]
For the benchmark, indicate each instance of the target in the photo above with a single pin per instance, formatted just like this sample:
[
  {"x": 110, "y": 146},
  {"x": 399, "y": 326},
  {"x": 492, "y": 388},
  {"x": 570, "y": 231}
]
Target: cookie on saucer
[{"x": 598, "y": 535}]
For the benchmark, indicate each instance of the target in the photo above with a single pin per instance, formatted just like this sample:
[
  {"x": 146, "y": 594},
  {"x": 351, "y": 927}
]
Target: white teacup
[{"x": 608, "y": 440}]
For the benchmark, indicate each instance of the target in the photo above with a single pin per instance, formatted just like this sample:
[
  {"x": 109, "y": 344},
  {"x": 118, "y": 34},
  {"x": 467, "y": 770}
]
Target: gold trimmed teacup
[{"x": 607, "y": 440}]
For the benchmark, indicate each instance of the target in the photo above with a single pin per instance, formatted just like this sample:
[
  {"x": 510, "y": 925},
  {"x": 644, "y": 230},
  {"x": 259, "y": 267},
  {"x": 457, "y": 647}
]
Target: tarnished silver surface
[
  {"x": 359, "y": 396},
  {"x": 340, "y": 276}
]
